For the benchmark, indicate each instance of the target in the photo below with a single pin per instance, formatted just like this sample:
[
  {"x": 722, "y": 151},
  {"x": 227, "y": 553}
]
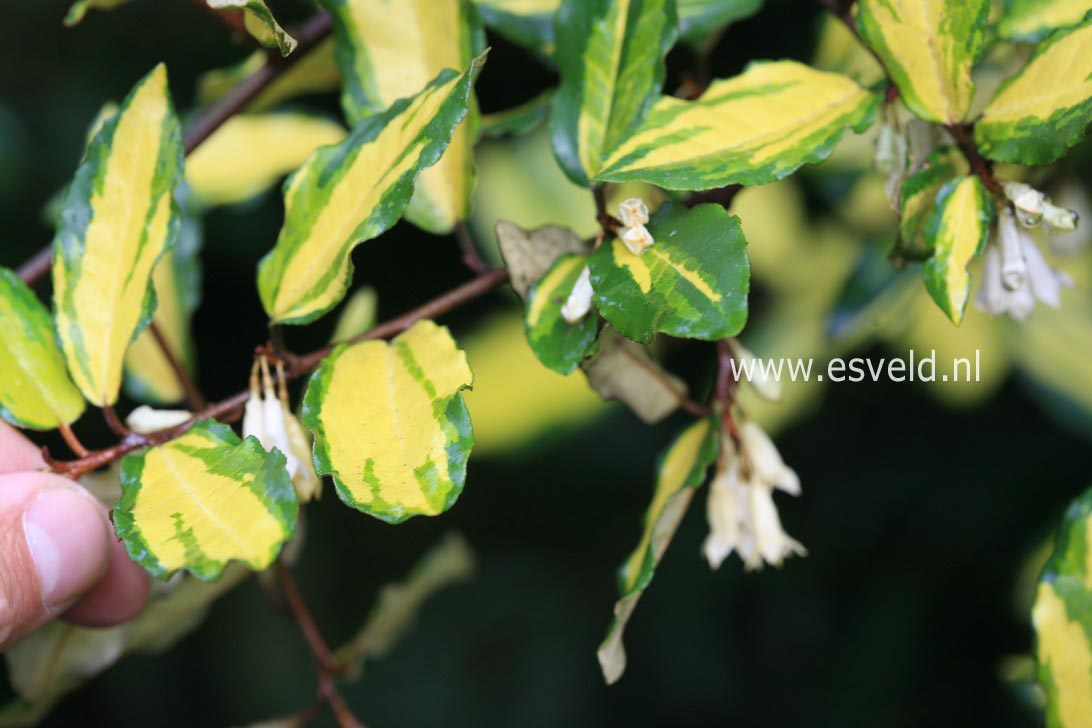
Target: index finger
[{"x": 17, "y": 453}]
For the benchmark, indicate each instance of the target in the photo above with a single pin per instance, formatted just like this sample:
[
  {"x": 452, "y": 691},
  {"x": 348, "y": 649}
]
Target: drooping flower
[
  {"x": 1015, "y": 273},
  {"x": 740, "y": 508},
  {"x": 579, "y": 301}
]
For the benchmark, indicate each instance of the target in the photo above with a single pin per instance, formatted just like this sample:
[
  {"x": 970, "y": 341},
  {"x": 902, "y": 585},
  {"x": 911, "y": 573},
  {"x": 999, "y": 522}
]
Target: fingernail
[{"x": 67, "y": 538}]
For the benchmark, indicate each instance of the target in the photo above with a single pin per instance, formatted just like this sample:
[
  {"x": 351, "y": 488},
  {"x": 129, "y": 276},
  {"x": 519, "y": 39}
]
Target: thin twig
[
  {"x": 607, "y": 222},
  {"x": 297, "y": 367},
  {"x": 193, "y": 394},
  {"x": 979, "y": 164},
  {"x": 115, "y": 422},
  {"x": 724, "y": 391},
  {"x": 37, "y": 267},
  {"x": 471, "y": 257},
  {"x": 71, "y": 440}
]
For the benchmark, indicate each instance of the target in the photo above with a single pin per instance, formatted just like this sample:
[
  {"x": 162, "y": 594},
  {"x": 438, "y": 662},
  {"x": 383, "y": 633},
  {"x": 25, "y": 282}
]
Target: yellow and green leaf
[
  {"x": 352, "y": 192},
  {"x": 558, "y": 344},
  {"x": 928, "y": 48},
  {"x": 919, "y": 193},
  {"x": 755, "y": 128},
  {"x": 312, "y": 73},
  {"x": 529, "y": 23},
  {"x": 1062, "y": 616},
  {"x": 610, "y": 54},
  {"x": 956, "y": 232},
  {"x": 518, "y": 120},
  {"x": 1033, "y": 20},
  {"x": 79, "y": 9},
  {"x": 1045, "y": 108},
  {"x": 390, "y": 425},
  {"x": 117, "y": 219},
  {"x": 35, "y": 390},
  {"x": 681, "y": 469},
  {"x": 259, "y": 22},
  {"x": 203, "y": 500},
  {"x": 699, "y": 19},
  {"x": 149, "y": 376},
  {"x": 389, "y": 48},
  {"x": 357, "y": 315},
  {"x": 692, "y": 283},
  {"x": 250, "y": 152}
]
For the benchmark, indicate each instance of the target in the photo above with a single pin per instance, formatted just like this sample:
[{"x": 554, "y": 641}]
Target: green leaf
[
  {"x": 118, "y": 217},
  {"x": 390, "y": 425},
  {"x": 1043, "y": 110},
  {"x": 956, "y": 232},
  {"x": 528, "y": 23},
  {"x": 755, "y": 128},
  {"x": 692, "y": 283},
  {"x": 149, "y": 376},
  {"x": 357, "y": 316},
  {"x": 35, "y": 390},
  {"x": 202, "y": 500},
  {"x": 352, "y": 192},
  {"x": 610, "y": 56},
  {"x": 312, "y": 73},
  {"x": 386, "y": 49},
  {"x": 260, "y": 23},
  {"x": 699, "y": 19},
  {"x": 448, "y": 562},
  {"x": 928, "y": 48},
  {"x": 251, "y": 152},
  {"x": 558, "y": 344},
  {"x": 1033, "y": 20},
  {"x": 919, "y": 191},
  {"x": 518, "y": 120},
  {"x": 1063, "y": 620},
  {"x": 79, "y": 9},
  {"x": 681, "y": 469}
]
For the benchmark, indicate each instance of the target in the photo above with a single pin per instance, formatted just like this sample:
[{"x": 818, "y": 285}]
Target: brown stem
[
  {"x": 115, "y": 422},
  {"x": 724, "y": 391},
  {"x": 607, "y": 222},
  {"x": 979, "y": 164},
  {"x": 71, "y": 440},
  {"x": 297, "y": 367},
  {"x": 471, "y": 257},
  {"x": 194, "y": 397},
  {"x": 309, "y": 34}
]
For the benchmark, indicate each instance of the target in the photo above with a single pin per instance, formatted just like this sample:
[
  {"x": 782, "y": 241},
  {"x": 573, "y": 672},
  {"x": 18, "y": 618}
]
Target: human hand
[{"x": 58, "y": 553}]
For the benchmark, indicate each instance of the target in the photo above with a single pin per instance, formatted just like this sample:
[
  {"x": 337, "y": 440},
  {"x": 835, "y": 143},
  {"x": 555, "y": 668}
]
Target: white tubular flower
[
  {"x": 767, "y": 387},
  {"x": 579, "y": 301},
  {"x": 144, "y": 420},
  {"x": 740, "y": 509},
  {"x": 1028, "y": 201},
  {"x": 1013, "y": 268},
  {"x": 1038, "y": 282},
  {"x": 633, "y": 212},
  {"x": 1061, "y": 219},
  {"x": 768, "y": 466},
  {"x": 889, "y": 156},
  {"x": 268, "y": 418},
  {"x": 636, "y": 238}
]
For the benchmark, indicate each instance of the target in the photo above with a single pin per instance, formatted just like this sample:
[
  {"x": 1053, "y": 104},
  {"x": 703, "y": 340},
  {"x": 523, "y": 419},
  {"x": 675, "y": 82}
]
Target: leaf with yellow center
[{"x": 956, "y": 232}]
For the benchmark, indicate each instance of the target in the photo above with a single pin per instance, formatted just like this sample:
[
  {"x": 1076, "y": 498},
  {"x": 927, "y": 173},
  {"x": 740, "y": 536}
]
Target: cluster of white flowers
[
  {"x": 633, "y": 213},
  {"x": 268, "y": 418},
  {"x": 1015, "y": 273},
  {"x": 740, "y": 508}
]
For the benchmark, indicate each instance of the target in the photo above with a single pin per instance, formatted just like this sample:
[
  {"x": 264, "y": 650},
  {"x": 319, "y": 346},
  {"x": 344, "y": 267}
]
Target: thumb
[{"x": 54, "y": 545}]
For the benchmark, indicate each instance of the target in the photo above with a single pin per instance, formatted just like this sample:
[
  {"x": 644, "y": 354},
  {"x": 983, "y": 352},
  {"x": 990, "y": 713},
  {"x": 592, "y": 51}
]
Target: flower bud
[
  {"x": 1028, "y": 201},
  {"x": 633, "y": 212},
  {"x": 579, "y": 302},
  {"x": 1060, "y": 218},
  {"x": 637, "y": 239}
]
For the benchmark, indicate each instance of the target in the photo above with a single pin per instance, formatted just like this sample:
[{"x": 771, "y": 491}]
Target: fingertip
[
  {"x": 17, "y": 453},
  {"x": 118, "y": 597}
]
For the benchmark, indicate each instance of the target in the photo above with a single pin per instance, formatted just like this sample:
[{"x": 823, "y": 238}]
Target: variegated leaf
[
  {"x": 388, "y": 48},
  {"x": 352, "y": 192},
  {"x": 919, "y": 192},
  {"x": 692, "y": 283},
  {"x": 312, "y": 73},
  {"x": 610, "y": 54},
  {"x": 518, "y": 120},
  {"x": 755, "y": 128},
  {"x": 558, "y": 344},
  {"x": 357, "y": 315},
  {"x": 390, "y": 425},
  {"x": 529, "y": 23},
  {"x": 149, "y": 376},
  {"x": 1063, "y": 620},
  {"x": 251, "y": 152},
  {"x": 35, "y": 390},
  {"x": 681, "y": 469},
  {"x": 79, "y": 9},
  {"x": 1033, "y": 20},
  {"x": 701, "y": 18},
  {"x": 1044, "y": 109},
  {"x": 118, "y": 217},
  {"x": 928, "y": 48},
  {"x": 260, "y": 23},
  {"x": 202, "y": 500},
  {"x": 956, "y": 232}
]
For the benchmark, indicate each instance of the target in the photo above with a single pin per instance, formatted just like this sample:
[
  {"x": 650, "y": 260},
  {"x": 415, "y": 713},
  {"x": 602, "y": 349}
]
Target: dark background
[{"x": 918, "y": 519}]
